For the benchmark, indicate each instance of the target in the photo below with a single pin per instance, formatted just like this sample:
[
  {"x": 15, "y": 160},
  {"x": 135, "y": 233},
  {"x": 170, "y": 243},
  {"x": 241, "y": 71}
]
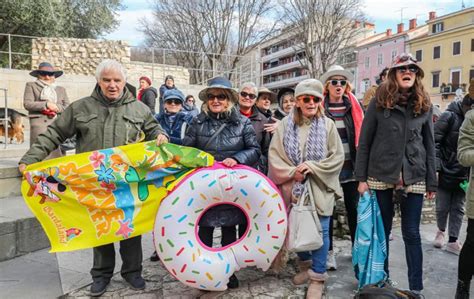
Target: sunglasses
[
  {"x": 173, "y": 101},
  {"x": 336, "y": 82},
  {"x": 249, "y": 95},
  {"x": 46, "y": 73},
  {"x": 307, "y": 99},
  {"x": 409, "y": 69},
  {"x": 219, "y": 97}
]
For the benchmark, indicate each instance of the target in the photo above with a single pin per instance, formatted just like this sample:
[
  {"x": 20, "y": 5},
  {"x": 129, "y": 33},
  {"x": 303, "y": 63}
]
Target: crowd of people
[{"x": 319, "y": 135}]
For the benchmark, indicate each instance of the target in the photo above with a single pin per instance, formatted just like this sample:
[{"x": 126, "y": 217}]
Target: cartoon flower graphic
[
  {"x": 110, "y": 187},
  {"x": 96, "y": 158},
  {"x": 105, "y": 174}
]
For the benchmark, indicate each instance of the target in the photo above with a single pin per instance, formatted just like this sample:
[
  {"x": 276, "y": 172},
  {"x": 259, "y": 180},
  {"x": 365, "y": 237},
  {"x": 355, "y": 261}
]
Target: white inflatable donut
[{"x": 176, "y": 225}]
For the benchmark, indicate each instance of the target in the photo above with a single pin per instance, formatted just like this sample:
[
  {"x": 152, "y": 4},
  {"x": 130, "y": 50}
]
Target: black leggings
[
  {"x": 228, "y": 234},
  {"x": 466, "y": 258}
]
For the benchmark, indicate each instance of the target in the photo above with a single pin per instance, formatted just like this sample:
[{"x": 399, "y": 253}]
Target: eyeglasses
[
  {"x": 249, "y": 95},
  {"x": 46, "y": 73},
  {"x": 219, "y": 97},
  {"x": 173, "y": 101},
  {"x": 307, "y": 98},
  {"x": 336, "y": 82},
  {"x": 406, "y": 69}
]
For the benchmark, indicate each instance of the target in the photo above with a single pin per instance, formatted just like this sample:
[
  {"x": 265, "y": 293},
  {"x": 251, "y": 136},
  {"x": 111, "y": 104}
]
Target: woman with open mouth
[{"x": 397, "y": 151}]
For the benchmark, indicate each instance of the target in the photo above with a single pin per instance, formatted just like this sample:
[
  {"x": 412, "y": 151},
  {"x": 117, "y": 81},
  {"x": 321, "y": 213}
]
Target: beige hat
[
  {"x": 337, "y": 70},
  {"x": 309, "y": 87},
  {"x": 263, "y": 90}
]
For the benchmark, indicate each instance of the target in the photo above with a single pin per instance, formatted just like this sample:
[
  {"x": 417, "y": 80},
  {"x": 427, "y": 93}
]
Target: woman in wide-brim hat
[
  {"x": 229, "y": 136},
  {"x": 44, "y": 100},
  {"x": 397, "y": 151}
]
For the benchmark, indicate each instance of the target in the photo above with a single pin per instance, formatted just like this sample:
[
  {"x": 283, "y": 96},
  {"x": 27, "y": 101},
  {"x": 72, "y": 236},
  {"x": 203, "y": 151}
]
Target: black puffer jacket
[
  {"x": 237, "y": 140},
  {"x": 258, "y": 120},
  {"x": 446, "y": 131},
  {"x": 149, "y": 98}
]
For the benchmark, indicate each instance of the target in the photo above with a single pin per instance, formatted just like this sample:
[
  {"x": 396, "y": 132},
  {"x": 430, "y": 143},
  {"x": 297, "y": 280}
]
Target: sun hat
[
  {"x": 309, "y": 87},
  {"x": 404, "y": 59},
  {"x": 337, "y": 70},
  {"x": 46, "y": 67},
  {"x": 222, "y": 83},
  {"x": 173, "y": 94},
  {"x": 263, "y": 90}
]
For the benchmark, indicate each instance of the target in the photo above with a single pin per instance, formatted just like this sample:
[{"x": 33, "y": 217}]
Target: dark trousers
[
  {"x": 410, "y": 208},
  {"x": 351, "y": 200},
  {"x": 104, "y": 259},
  {"x": 228, "y": 234},
  {"x": 466, "y": 258}
]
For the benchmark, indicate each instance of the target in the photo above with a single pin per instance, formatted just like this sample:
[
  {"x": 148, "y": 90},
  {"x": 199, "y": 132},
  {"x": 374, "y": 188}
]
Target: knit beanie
[{"x": 146, "y": 79}]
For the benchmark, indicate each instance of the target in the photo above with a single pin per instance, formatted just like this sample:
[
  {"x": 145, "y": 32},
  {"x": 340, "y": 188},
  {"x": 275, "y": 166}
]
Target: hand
[
  {"x": 304, "y": 169},
  {"x": 270, "y": 128},
  {"x": 430, "y": 195},
  {"x": 52, "y": 106},
  {"x": 160, "y": 139},
  {"x": 21, "y": 168},
  {"x": 363, "y": 187},
  {"x": 299, "y": 177},
  {"x": 229, "y": 162}
]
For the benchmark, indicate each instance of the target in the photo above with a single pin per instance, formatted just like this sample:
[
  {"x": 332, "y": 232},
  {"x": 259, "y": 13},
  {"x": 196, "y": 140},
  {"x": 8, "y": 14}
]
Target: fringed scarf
[
  {"x": 48, "y": 93},
  {"x": 315, "y": 145}
]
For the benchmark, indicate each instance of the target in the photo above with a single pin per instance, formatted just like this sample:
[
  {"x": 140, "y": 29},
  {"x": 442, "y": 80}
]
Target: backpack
[{"x": 383, "y": 290}]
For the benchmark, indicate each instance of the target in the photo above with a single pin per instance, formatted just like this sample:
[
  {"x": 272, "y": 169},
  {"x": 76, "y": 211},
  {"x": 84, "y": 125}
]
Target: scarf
[
  {"x": 140, "y": 94},
  {"x": 48, "y": 93},
  {"x": 315, "y": 145}
]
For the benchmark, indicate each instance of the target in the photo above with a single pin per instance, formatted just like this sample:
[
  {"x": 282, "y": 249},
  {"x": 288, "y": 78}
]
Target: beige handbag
[{"x": 304, "y": 229}]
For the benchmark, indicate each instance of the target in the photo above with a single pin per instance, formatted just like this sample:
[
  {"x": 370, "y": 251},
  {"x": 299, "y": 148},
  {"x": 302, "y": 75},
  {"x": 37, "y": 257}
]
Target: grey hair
[
  {"x": 110, "y": 64},
  {"x": 250, "y": 85}
]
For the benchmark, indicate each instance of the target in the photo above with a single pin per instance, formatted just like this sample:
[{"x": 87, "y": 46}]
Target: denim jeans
[
  {"x": 320, "y": 255},
  {"x": 410, "y": 208}
]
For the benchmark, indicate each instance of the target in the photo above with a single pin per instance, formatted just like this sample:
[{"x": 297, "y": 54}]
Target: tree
[
  {"x": 323, "y": 28},
  {"x": 55, "y": 18},
  {"x": 214, "y": 34}
]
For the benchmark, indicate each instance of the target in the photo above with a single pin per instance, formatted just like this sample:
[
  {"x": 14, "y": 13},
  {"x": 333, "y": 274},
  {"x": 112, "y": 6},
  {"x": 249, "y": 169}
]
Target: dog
[{"x": 15, "y": 125}]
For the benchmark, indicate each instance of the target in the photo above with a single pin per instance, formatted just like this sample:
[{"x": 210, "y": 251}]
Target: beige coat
[
  {"x": 466, "y": 157},
  {"x": 38, "y": 121},
  {"x": 324, "y": 178}
]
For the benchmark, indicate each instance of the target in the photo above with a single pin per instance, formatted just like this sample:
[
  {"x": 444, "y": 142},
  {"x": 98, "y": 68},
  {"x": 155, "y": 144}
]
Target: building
[
  {"x": 446, "y": 53},
  {"x": 376, "y": 53}
]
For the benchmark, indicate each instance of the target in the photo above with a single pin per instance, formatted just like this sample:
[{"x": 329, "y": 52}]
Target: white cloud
[{"x": 129, "y": 23}]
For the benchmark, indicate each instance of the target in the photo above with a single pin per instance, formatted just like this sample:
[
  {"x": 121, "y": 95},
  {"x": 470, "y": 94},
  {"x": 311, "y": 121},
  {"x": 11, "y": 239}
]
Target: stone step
[{"x": 20, "y": 231}]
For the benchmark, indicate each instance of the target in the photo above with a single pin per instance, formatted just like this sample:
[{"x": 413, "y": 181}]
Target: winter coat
[
  {"x": 237, "y": 140},
  {"x": 466, "y": 157},
  {"x": 177, "y": 129},
  {"x": 279, "y": 114},
  {"x": 98, "y": 124},
  {"x": 163, "y": 88},
  {"x": 446, "y": 132},
  {"x": 149, "y": 98},
  {"x": 192, "y": 111},
  {"x": 393, "y": 140},
  {"x": 324, "y": 177},
  {"x": 258, "y": 120}
]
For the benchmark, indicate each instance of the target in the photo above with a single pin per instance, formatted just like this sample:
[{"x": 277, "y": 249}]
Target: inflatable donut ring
[{"x": 176, "y": 225}]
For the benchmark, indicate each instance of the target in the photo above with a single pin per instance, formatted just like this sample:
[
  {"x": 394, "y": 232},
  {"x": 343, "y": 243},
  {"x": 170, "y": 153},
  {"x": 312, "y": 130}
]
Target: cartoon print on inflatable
[{"x": 176, "y": 225}]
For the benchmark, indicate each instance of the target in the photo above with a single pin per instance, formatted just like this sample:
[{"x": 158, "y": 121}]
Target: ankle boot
[
  {"x": 302, "y": 276},
  {"x": 316, "y": 285},
  {"x": 462, "y": 290}
]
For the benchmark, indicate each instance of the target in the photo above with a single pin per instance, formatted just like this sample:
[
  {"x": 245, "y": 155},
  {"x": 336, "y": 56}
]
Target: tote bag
[{"x": 304, "y": 231}]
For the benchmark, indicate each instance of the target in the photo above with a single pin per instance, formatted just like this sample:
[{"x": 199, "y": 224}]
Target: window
[
  {"x": 364, "y": 85},
  {"x": 456, "y": 48},
  {"x": 379, "y": 59},
  {"x": 367, "y": 62},
  {"x": 471, "y": 74},
  {"x": 436, "y": 52},
  {"x": 435, "y": 79},
  {"x": 419, "y": 55},
  {"x": 455, "y": 78},
  {"x": 472, "y": 45},
  {"x": 438, "y": 27},
  {"x": 394, "y": 53}
]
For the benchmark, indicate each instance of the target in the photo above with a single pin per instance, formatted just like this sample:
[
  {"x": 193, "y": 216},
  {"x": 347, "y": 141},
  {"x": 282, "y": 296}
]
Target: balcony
[
  {"x": 283, "y": 52},
  {"x": 283, "y": 67},
  {"x": 285, "y": 82}
]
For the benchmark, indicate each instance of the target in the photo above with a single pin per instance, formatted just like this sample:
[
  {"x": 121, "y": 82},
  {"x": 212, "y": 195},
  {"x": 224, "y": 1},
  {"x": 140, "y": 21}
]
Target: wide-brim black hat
[{"x": 46, "y": 67}]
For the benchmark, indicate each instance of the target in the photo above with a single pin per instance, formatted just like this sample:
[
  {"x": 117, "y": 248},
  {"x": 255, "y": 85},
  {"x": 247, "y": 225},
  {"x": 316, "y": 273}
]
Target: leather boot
[
  {"x": 316, "y": 285},
  {"x": 462, "y": 290},
  {"x": 302, "y": 276}
]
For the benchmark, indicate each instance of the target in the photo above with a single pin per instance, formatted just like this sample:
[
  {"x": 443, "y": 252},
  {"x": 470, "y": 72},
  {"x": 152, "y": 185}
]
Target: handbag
[{"x": 304, "y": 230}]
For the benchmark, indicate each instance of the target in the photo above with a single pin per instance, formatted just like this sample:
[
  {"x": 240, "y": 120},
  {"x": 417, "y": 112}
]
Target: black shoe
[
  {"x": 98, "y": 287},
  {"x": 154, "y": 257},
  {"x": 136, "y": 282},
  {"x": 233, "y": 282}
]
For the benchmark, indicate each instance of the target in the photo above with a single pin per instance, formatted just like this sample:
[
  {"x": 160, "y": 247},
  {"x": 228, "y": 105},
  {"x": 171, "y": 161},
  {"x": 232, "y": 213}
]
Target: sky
[{"x": 383, "y": 13}]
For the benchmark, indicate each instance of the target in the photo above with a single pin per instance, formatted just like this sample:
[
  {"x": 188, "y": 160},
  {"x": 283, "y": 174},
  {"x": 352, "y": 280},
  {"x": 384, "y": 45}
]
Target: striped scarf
[{"x": 315, "y": 146}]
